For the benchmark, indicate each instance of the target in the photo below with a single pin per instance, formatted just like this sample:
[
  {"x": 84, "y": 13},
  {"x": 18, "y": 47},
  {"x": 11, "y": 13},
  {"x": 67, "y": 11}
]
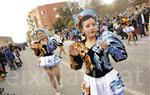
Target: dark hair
[
  {"x": 136, "y": 8},
  {"x": 39, "y": 30},
  {"x": 58, "y": 31},
  {"x": 80, "y": 26}
]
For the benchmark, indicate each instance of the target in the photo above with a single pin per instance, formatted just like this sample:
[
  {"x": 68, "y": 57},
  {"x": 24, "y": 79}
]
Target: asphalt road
[{"x": 32, "y": 80}]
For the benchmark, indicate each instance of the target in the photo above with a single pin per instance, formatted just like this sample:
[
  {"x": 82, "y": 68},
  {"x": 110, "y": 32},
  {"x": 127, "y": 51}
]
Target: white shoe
[
  {"x": 57, "y": 93},
  {"x": 60, "y": 85}
]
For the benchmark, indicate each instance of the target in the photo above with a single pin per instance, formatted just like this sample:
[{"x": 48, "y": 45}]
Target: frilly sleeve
[
  {"x": 115, "y": 47},
  {"x": 36, "y": 51},
  {"x": 76, "y": 62},
  {"x": 52, "y": 43}
]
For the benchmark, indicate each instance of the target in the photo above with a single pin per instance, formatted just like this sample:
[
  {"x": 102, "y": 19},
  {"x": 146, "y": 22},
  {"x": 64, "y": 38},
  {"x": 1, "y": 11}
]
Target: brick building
[{"x": 43, "y": 16}]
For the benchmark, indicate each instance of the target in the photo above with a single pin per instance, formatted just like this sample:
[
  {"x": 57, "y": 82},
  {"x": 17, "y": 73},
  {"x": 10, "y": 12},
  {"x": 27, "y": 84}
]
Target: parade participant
[
  {"x": 125, "y": 20},
  {"x": 44, "y": 49},
  {"x": 17, "y": 61},
  {"x": 134, "y": 24},
  {"x": 129, "y": 30},
  {"x": 60, "y": 41},
  {"x": 100, "y": 77},
  {"x": 121, "y": 21}
]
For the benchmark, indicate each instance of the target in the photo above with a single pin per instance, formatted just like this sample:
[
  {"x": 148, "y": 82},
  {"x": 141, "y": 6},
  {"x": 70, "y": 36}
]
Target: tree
[
  {"x": 137, "y": 2},
  {"x": 71, "y": 24},
  {"x": 95, "y": 5},
  {"x": 66, "y": 14},
  {"x": 116, "y": 7},
  {"x": 59, "y": 24}
]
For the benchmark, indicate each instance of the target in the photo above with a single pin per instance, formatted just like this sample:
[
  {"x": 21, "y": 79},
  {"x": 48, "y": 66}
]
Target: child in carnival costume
[
  {"x": 100, "y": 77},
  {"x": 44, "y": 49}
]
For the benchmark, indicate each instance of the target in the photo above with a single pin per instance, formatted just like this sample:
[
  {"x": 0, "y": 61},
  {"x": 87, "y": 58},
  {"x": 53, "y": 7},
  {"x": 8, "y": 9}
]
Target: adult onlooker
[
  {"x": 2, "y": 71},
  {"x": 75, "y": 34},
  {"x": 2, "y": 60},
  {"x": 146, "y": 12},
  {"x": 10, "y": 58},
  {"x": 141, "y": 22},
  {"x": 134, "y": 24}
]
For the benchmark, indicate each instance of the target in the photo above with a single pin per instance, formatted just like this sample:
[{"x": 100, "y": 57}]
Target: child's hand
[
  {"x": 103, "y": 45},
  {"x": 85, "y": 89},
  {"x": 73, "y": 51},
  {"x": 82, "y": 49},
  {"x": 36, "y": 46},
  {"x": 77, "y": 49}
]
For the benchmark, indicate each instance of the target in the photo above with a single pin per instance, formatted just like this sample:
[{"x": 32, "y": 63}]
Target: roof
[
  {"x": 5, "y": 41},
  {"x": 6, "y": 38}
]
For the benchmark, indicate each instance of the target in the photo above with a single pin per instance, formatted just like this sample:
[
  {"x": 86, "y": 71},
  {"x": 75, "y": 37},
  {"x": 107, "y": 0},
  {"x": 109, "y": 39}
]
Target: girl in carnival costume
[
  {"x": 100, "y": 77},
  {"x": 129, "y": 29},
  {"x": 44, "y": 49}
]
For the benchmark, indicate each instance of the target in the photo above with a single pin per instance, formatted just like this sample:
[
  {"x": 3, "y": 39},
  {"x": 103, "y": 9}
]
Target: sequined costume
[
  {"x": 100, "y": 77},
  {"x": 99, "y": 57},
  {"x": 45, "y": 52}
]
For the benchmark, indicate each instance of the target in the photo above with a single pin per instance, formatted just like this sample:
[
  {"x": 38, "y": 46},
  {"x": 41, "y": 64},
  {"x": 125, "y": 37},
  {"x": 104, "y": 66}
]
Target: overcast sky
[{"x": 13, "y": 16}]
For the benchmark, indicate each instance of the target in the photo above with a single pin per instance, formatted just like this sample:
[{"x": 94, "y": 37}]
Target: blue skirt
[{"x": 48, "y": 61}]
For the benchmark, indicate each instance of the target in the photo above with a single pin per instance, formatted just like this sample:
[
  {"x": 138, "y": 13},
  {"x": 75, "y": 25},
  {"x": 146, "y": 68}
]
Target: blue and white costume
[
  {"x": 129, "y": 29},
  {"x": 45, "y": 52},
  {"x": 103, "y": 79}
]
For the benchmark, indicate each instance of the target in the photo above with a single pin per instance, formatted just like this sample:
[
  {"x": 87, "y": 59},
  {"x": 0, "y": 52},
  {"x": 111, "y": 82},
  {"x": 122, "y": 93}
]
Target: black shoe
[
  {"x": 60, "y": 57},
  {"x": 5, "y": 72}
]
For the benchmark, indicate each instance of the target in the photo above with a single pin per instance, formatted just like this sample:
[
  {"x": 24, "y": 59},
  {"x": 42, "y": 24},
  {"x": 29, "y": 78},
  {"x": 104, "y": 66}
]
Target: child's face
[
  {"x": 89, "y": 28},
  {"x": 41, "y": 35}
]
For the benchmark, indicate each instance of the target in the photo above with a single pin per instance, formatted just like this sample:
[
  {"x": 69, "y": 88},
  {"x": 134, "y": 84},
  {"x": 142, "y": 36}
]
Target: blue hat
[
  {"x": 82, "y": 14},
  {"x": 41, "y": 29},
  {"x": 87, "y": 12}
]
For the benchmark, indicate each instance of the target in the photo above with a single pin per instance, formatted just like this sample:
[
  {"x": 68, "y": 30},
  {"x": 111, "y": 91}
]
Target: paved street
[{"x": 32, "y": 80}]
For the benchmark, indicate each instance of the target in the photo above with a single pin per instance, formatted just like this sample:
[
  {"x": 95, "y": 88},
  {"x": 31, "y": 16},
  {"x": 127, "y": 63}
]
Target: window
[
  {"x": 39, "y": 22},
  {"x": 42, "y": 12},
  {"x": 46, "y": 26},
  {"x": 57, "y": 16},
  {"x": 55, "y": 9}
]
